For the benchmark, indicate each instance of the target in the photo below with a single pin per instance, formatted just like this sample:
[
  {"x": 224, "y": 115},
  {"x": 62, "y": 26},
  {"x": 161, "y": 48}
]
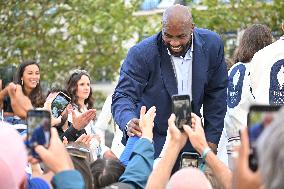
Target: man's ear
[{"x": 283, "y": 26}]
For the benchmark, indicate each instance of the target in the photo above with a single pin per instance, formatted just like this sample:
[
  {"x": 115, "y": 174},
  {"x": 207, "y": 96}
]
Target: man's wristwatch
[{"x": 126, "y": 126}]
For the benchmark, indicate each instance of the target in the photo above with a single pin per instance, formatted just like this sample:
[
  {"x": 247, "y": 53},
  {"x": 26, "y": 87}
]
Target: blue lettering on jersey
[
  {"x": 235, "y": 85},
  {"x": 276, "y": 88}
]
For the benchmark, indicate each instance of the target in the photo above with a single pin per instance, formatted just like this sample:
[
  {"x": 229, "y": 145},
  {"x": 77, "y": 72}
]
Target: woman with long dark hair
[
  {"x": 80, "y": 91},
  {"x": 28, "y": 76}
]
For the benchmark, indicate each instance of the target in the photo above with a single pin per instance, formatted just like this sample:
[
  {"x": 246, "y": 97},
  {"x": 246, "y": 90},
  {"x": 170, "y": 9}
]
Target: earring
[{"x": 22, "y": 82}]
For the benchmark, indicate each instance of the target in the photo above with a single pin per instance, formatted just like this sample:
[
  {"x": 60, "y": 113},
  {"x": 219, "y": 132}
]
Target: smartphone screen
[
  {"x": 182, "y": 109},
  {"x": 38, "y": 130},
  {"x": 259, "y": 118},
  {"x": 59, "y": 104},
  {"x": 189, "y": 159}
]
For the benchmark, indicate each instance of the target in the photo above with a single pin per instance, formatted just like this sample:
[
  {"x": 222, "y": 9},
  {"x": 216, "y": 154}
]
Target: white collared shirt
[{"x": 183, "y": 71}]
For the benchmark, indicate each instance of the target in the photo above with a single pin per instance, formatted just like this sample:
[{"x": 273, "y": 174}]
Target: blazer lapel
[
  {"x": 167, "y": 72},
  {"x": 199, "y": 64}
]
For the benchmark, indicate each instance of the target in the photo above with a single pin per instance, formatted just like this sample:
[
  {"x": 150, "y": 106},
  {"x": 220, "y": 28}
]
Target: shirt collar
[
  {"x": 282, "y": 37},
  {"x": 188, "y": 53}
]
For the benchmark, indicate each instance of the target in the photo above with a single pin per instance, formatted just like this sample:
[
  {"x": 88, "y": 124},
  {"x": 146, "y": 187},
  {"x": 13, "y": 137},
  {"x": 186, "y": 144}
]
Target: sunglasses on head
[{"x": 78, "y": 71}]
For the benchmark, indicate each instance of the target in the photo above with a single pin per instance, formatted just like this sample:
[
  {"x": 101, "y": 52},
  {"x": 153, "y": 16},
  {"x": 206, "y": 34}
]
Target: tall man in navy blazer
[{"x": 181, "y": 59}]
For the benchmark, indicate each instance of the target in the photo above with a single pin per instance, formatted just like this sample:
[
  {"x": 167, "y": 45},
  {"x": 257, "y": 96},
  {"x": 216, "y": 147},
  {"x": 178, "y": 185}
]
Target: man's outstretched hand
[{"x": 133, "y": 128}]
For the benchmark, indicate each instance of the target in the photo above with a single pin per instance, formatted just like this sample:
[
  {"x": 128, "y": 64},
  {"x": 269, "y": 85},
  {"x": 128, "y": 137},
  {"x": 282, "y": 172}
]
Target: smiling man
[{"x": 181, "y": 59}]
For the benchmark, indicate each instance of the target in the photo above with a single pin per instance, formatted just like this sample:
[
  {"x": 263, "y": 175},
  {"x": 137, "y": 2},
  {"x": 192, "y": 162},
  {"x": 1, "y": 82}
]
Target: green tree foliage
[
  {"x": 224, "y": 17},
  {"x": 227, "y": 17},
  {"x": 91, "y": 34},
  {"x": 238, "y": 14},
  {"x": 64, "y": 35}
]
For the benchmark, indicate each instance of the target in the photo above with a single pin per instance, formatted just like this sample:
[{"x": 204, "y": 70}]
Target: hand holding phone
[
  {"x": 181, "y": 107},
  {"x": 38, "y": 130},
  {"x": 59, "y": 104},
  {"x": 259, "y": 117}
]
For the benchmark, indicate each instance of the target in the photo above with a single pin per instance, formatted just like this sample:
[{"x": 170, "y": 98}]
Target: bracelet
[{"x": 205, "y": 152}]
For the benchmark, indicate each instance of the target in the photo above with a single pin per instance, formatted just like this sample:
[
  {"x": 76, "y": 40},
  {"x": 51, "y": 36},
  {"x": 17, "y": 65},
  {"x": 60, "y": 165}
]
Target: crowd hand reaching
[
  {"x": 55, "y": 157},
  {"x": 3, "y": 93},
  {"x": 82, "y": 120},
  {"x": 65, "y": 141},
  {"x": 146, "y": 122},
  {"x": 85, "y": 139},
  {"x": 19, "y": 102},
  {"x": 196, "y": 134},
  {"x": 174, "y": 136},
  {"x": 243, "y": 176}
]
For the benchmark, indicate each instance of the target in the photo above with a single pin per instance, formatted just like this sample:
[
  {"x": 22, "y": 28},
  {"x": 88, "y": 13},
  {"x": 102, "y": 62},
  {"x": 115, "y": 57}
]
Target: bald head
[
  {"x": 195, "y": 179},
  {"x": 177, "y": 30},
  {"x": 177, "y": 14}
]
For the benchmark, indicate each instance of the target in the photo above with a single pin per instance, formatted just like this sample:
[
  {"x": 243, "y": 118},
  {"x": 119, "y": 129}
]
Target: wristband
[
  {"x": 205, "y": 152},
  {"x": 126, "y": 126}
]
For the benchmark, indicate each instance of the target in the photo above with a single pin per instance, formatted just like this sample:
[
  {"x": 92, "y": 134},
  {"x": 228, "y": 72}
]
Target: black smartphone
[
  {"x": 38, "y": 130},
  {"x": 181, "y": 107},
  {"x": 59, "y": 104},
  {"x": 259, "y": 117},
  {"x": 189, "y": 159}
]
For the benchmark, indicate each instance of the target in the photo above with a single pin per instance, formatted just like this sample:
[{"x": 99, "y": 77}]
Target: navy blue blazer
[{"x": 147, "y": 78}]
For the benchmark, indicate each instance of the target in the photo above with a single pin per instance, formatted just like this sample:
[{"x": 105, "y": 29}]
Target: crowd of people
[{"x": 181, "y": 59}]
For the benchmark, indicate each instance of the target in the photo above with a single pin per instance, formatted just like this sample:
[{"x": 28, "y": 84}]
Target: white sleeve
[{"x": 105, "y": 116}]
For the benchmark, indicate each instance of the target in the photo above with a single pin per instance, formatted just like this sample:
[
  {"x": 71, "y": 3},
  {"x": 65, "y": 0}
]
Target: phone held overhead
[
  {"x": 59, "y": 104},
  {"x": 181, "y": 107},
  {"x": 259, "y": 118}
]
